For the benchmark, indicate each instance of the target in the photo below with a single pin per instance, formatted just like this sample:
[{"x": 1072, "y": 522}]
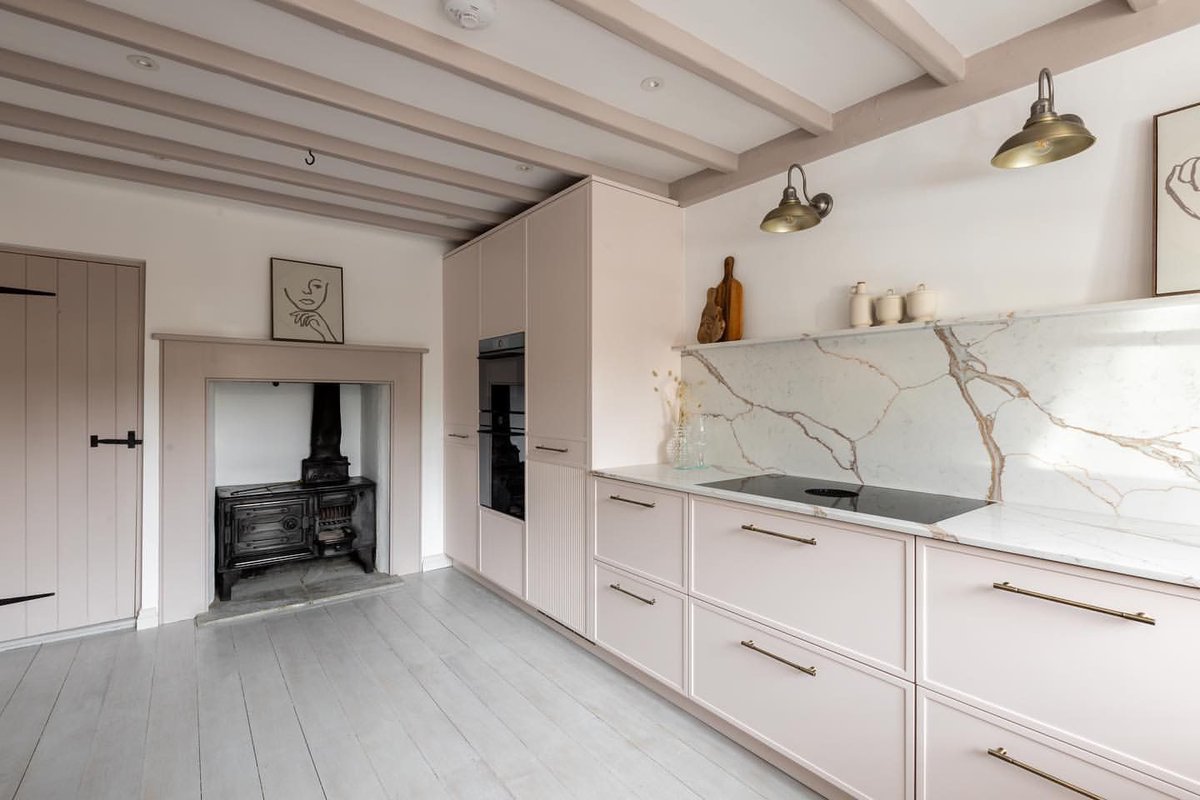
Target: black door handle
[{"x": 129, "y": 441}]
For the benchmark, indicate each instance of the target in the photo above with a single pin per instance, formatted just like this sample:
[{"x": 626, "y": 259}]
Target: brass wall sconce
[
  {"x": 1047, "y": 136},
  {"x": 791, "y": 214}
]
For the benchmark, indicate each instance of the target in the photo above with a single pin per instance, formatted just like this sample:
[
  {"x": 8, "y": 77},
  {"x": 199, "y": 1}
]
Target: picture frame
[
  {"x": 307, "y": 302},
  {"x": 1177, "y": 201}
]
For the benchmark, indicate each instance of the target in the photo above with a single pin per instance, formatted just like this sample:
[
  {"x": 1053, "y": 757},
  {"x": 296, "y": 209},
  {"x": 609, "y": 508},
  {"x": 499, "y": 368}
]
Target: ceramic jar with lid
[
  {"x": 921, "y": 304},
  {"x": 889, "y": 308}
]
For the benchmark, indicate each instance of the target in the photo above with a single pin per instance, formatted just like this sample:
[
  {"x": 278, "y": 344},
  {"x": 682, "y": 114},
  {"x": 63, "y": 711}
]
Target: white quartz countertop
[{"x": 1159, "y": 551}]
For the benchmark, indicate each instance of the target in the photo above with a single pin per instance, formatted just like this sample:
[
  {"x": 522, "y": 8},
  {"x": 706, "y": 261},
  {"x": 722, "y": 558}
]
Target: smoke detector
[{"x": 470, "y": 14}]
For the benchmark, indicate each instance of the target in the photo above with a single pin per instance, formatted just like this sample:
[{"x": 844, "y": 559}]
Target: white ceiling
[{"x": 816, "y": 48}]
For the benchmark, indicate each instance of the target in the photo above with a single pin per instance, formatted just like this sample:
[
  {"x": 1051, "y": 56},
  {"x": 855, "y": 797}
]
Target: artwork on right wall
[{"x": 1177, "y": 201}]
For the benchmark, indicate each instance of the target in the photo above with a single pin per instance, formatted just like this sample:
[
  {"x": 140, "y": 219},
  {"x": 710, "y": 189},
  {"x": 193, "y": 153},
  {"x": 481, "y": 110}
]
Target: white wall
[
  {"x": 261, "y": 431},
  {"x": 924, "y": 205},
  {"x": 207, "y": 272}
]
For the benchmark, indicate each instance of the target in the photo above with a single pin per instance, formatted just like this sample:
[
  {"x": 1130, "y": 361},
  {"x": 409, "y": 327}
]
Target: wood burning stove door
[{"x": 271, "y": 531}]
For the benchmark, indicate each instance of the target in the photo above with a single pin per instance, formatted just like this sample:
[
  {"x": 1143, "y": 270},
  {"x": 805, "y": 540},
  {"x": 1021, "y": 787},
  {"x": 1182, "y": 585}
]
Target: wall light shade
[
  {"x": 792, "y": 214},
  {"x": 1047, "y": 136}
]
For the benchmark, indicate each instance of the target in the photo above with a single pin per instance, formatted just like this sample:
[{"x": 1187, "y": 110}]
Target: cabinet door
[
  {"x": 462, "y": 504},
  {"x": 460, "y": 335},
  {"x": 502, "y": 550},
  {"x": 556, "y": 342},
  {"x": 502, "y": 282},
  {"x": 556, "y": 519}
]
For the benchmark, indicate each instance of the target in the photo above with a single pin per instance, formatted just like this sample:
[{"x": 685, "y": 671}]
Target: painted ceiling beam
[
  {"x": 671, "y": 43},
  {"x": 385, "y": 31},
  {"x": 1142, "y": 5},
  {"x": 148, "y": 37},
  {"x": 902, "y": 25},
  {"x": 168, "y": 149},
  {"x": 49, "y": 75},
  {"x": 74, "y": 162}
]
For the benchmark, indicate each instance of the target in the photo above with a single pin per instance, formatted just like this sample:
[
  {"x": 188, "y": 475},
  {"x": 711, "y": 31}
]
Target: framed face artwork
[
  {"x": 1177, "y": 201},
  {"x": 306, "y": 302}
]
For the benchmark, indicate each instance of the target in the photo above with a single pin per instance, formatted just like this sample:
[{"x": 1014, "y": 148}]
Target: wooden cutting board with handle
[{"x": 729, "y": 300}]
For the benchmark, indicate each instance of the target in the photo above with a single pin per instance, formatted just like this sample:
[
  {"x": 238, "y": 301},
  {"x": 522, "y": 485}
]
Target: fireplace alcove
[{"x": 189, "y": 365}]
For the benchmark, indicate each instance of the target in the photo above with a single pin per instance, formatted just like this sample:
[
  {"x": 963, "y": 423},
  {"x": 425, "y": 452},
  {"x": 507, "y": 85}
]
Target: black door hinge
[
  {"x": 8, "y": 601},
  {"x": 26, "y": 292},
  {"x": 129, "y": 441}
]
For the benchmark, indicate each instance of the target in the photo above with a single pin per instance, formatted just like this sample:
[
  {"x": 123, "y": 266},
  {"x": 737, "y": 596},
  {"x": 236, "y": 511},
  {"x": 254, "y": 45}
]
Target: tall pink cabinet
[{"x": 601, "y": 271}]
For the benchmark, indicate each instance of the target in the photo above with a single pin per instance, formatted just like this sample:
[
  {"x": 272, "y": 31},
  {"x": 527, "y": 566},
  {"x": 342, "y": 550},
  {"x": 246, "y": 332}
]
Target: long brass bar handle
[
  {"x": 1002, "y": 754},
  {"x": 620, "y": 499},
  {"x": 749, "y": 643},
  {"x": 552, "y": 449},
  {"x": 800, "y": 539},
  {"x": 647, "y": 600},
  {"x": 1138, "y": 617}
]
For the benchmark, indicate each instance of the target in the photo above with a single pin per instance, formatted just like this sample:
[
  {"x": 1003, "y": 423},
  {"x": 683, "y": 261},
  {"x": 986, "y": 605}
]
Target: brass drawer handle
[
  {"x": 620, "y": 499},
  {"x": 1002, "y": 754},
  {"x": 647, "y": 600},
  {"x": 552, "y": 449},
  {"x": 749, "y": 643},
  {"x": 459, "y": 436},
  {"x": 800, "y": 539},
  {"x": 1138, "y": 617}
]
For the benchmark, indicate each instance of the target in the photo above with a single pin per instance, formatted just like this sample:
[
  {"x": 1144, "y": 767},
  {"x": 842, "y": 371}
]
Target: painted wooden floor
[{"x": 438, "y": 689}]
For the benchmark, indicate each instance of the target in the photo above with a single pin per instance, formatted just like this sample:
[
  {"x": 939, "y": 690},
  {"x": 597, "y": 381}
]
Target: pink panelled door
[{"x": 70, "y": 364}]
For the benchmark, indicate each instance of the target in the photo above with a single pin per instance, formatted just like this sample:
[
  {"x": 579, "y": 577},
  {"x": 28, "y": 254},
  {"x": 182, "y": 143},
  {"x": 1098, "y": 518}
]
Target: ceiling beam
[
  {"x": 74, "y": 162},
  {"x": 659, "y": 37},
  {"x": 80, "y": 130},
  {"x": 130, "y": 31},
  {"x": 1092, "y": 33},
  {"x": 1142, "y": 5},
  {"x": 50, "y": 75},
  {"x": 379, "y": 29},
  {"x": 903, "y": 26}
]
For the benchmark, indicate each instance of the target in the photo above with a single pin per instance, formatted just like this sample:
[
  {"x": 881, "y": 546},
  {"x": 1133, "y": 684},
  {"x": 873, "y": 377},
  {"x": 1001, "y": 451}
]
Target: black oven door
[{"x": 502, "y": 471}]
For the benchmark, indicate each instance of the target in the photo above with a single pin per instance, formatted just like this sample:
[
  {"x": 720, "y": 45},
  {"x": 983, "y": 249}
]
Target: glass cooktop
[{"x": 919, "y": 507}]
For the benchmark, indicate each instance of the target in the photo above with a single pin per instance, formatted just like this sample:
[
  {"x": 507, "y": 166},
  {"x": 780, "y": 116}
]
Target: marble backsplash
[{"x": 1095, "y": 411}]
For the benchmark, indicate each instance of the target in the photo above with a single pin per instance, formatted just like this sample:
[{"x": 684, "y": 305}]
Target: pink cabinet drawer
[
  {"x": 848, "y": 723},
  {"x": 642, "y": 622},
  {"x": 642, "y": 529},
  {"x": 1045, "y": 645},
  {"x": 848, "y": 589},
  {"x": 963, "y": 752}
]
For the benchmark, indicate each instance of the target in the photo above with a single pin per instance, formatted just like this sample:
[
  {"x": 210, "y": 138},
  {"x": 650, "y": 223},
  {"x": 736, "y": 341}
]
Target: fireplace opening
[{"x": 299, "y": 477}]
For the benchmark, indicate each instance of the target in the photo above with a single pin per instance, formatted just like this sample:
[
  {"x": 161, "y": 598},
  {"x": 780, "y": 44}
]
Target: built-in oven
[{"x": 502, "y": 424}]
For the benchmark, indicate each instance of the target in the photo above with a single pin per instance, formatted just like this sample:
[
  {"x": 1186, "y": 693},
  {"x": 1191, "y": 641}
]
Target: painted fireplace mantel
[{"x": 189, "y": 363}]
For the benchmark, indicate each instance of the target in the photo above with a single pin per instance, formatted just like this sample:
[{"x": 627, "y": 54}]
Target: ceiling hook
[{"x": 310, "y": 159}]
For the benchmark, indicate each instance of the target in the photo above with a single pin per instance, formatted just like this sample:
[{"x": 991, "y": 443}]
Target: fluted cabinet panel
[{"x": 557, "y": 541}]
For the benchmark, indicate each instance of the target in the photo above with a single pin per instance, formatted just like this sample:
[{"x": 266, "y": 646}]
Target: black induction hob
[{"x": 919, "y": 507}]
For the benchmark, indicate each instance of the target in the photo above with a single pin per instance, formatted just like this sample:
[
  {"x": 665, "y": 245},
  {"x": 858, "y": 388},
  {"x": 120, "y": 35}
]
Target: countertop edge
[{"x": 937, "y": 531}]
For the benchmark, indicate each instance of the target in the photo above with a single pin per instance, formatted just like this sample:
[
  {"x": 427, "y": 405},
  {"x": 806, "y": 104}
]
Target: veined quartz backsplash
[{"x": 1092, "y": 411}]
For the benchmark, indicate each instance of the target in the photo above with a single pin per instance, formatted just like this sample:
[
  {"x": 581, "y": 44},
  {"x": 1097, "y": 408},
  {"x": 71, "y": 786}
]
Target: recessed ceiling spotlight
[
  {"x": 142, "y": 62},
  {"x": 652, "y": 84},
  {"x": 523, "y": 168}
]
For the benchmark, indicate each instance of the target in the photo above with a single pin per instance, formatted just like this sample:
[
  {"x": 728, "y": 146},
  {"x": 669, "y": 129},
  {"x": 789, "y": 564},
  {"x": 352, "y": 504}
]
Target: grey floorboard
[
  {"x": 25, "y": 716},
  {"x": 435, "y": 690}
]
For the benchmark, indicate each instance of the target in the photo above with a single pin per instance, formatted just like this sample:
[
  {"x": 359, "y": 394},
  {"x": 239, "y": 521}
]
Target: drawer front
[
  {"x": 850, "y": 724},
  {"x": 564, "y": 452},
  {"x": 848, "y": 590},
  {"x": 963, "y": 752},
  {"x": 641, "y": 622},
  {"x": 1115, "y": 686},
  {"x": 642, "y": 529}
]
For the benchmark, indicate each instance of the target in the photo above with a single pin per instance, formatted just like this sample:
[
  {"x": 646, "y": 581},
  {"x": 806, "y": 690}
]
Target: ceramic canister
[
  {"x": 889, "y": 308},
  {"x": 860, "y": 306},
  {"x": 921, "y": 304}
]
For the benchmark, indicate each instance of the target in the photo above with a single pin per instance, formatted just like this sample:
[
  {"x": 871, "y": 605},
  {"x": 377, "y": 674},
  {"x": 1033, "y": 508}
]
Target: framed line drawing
[
  {"x": 306, "y": 302},
  {"x": 1177, "y": 201}
]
